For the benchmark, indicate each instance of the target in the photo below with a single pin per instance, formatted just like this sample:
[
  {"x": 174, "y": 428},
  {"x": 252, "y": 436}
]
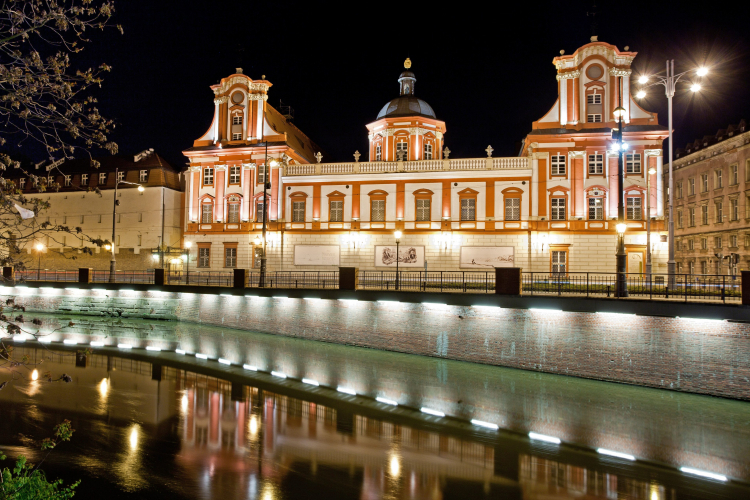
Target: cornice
[{"x": 229, "y": 82}]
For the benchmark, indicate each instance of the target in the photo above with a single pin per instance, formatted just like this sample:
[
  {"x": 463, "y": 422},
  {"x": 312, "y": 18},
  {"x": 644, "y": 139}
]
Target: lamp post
[
  {"x": 266, "y": 186},
  {"x": 115, "y": 202},
  {"x": 621, "y": 290},
  {"x": 397, "y": 234},
  {"x": 651, "y": 171},
  {"x": 188, "y": 244},
  {"x": 669, "y": 81},
  {"x": 39, "y": 248}
]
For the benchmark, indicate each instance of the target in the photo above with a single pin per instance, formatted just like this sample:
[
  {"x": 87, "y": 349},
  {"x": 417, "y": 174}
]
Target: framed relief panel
[
  {"x": 316, "y": 255},
  {"x": 408, "y": 256},
  {"x": 486, "y": 257}
]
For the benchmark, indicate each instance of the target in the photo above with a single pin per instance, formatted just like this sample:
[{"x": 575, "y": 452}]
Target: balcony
[{"x": 228, "y": 227}]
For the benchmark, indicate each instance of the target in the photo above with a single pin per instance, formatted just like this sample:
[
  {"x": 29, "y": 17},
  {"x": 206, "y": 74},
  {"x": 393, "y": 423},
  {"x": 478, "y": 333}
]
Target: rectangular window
[
  {"x": 207, "y": 213},
  {"x": 717, "y": 242},
  {"x": 139, "y": 240},
  {"x": 102, "y": 178},
  {"x": 594, "y": 118},
  {"x": 428, "y": 151},
  {"x": 208, "y": 176},
  {"x": 691, "y": 244},
  {"x": 234, "y": 174},
  {"x": 233, "y": 212},
  {"x": 100, "y": 219},
  {"x": 378, "y": 153},
  {"x": 204, "y": 257},
  {"x": 143, "y": 176},
  {"x": 733, "y": 241},
  {"x": 337, "y": 210},
  {"x": 718, "y": 179},
  {"x": 594, "y": 99},
  {"x": 298, "y": 211},
  {"x": 67, "y": 181},
  {"x": 596, "y": 209},
  {"x": 468, "y": 209},
  {"x": 704, "y": 214},
  {"x": 22, "y": 183},
  {"x": 402, "y": 151},
  {"x": 140, "y": 217},
  {"x": 423, "y": 210},
  {"x": 230, "y": 257},
  {"x": 633, "y": 208},
  {"x": 259, "y": 212},
  {"x": 691, "y": 267},
  {"x": 512, "y": 208},
  {"x": 261, "y": 174},
  {"x": 377, "y": 210},
  {"x": 679, "y": 219},
  {"x": 691, "y": 217},
  {"x": 704, "y": 243},
  {"x": 679, "y": 190},
  {"x": 85, "y": 180},
  {"x": 236, "y": 136},
  {"x": 120, "y": 177},
  {"x": 734, "y": 207},
  {"x": 559, "y": 261},
  {"x": 558, "y": 208},
  {"x": 719, "y": 212},
  {"x": 704, "y": 183},
  {"x": 82, "y": 218},
  {"x": 596, "y": 164},
  {"x": 734, "y": 175},
  {"x": 691, "y": 186},
  {"x": 237, "y": 120},
  {"x": 633, "y": 163},
  {"x": 558, "y": 164}
]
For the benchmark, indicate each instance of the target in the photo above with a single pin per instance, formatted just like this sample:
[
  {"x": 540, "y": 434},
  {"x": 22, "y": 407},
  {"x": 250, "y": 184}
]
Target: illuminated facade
[{"x": 549, "y": 209}]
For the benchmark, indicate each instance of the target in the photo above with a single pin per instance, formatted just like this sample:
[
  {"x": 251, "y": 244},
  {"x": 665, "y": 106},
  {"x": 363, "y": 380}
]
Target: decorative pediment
[
  {"x": 423, "y": 192},
  {"x": 512, "y": 190},
  {"x": 468, "y": 192},
  {"x": 298, "y": 194},
  {"x": 378, "y": 192},
  {"x": 558, "y": 188},
  {"x": 336, "y": 194}
]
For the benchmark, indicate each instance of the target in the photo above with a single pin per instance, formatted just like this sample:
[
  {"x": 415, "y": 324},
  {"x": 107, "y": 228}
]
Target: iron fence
[
  {"x": 132, "y": 277},
  {"x": 46, "y": 275},
  {"x": 296, "y": 279},
  {"x": 657, "y": 286},
  {"x": 430, "y": 281},
  {"x": 199, "y": 278}
]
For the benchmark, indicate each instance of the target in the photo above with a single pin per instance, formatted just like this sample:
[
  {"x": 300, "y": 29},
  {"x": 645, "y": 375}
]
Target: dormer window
[
  {"x": 237, "y": 127},
  {"x": 22, "y": 183},
  {"x": 67, "y": 181},
  {"x": 120, "y": 177},
  {"x": 378, "y": 153},
  {"x": 594, "y": 118},
  {"x": 143, "y": 176},
  {"x": 428, "y": 151},
  {"x": 402, "y": 151},
  {"x": 237, "y": 120},
  {"x": 84, "y": 179},
  {"x": 102, "y": 178}
]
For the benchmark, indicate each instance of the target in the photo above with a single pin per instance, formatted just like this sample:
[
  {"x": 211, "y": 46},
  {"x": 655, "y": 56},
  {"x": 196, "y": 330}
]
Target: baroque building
[
  {"x": 550, "y": 209},
  {"x": 712, "y": 203}
]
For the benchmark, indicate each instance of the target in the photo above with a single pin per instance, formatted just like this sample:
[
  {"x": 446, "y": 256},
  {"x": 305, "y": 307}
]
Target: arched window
[{"x": 233, "y": 209}]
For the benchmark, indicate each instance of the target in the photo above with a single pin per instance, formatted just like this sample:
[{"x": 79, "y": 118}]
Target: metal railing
[
  {"x": 199, "y": 278},
  {"x": 296, "y": 279},
  {"x": 46, "y": 275},
  {"x": 430, "y": 281},
  {"x": 660, "y": 286}
]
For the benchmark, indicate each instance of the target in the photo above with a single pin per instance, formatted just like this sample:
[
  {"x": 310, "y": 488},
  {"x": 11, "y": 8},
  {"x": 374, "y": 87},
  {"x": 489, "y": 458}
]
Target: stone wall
[
  {"x": 71, "y": 259},
  {"x": 692, "y": 355}
]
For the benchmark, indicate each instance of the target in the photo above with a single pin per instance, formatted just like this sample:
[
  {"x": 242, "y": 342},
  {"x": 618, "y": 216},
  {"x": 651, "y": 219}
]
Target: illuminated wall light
[
  {"x": 224, "y": 361},
  {"x": 389, "y": 301},
  {"x": 313, "y": 298},
  {"x": 279, "y": 297},
  {"x": 153, "y": 348},
  {"x": 545, "y": 310},
  {"x": 310, "y": 381},
  {"x": 702, "y": 319},
  {"x": 225, "y": 294},
  {"x": 45, "y": 340},
  {"x": 278, "y": 374},
  {"x": 69, "y": 342},
  {"x": 435, "y": 304},
  {"x": 201, "y": 355},
  {"x": 35, "y": 375},
  {"x": 486, "y": 307},
  {"x": 346, "y": 390},
  {"x": 542, "y": 437},
  {"x": 127, "y": 290},
  {"x": 349, "y": 300},
  {"x": 250, "y": 367},
  {"x": 702, "y": 473},
  {"x": 386, "y": 401},
  {"x": 19, "y": 339},
  {"x": 96, "y": 343},
  {"x": 430, "y": 411},
  {"x": 488, "y": 425},
  {"x": 124, "y": 346},
  {"x": 615, "y": 314},
  {"x": 617, "y": 454},
  {"x": 249, "y": 295},
  {"x": 180, "y": 351}
]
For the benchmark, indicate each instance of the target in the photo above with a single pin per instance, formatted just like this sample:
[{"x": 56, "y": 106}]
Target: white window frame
[
  {"x": 204, "y": 257},
  {"x": 235, "y": 174},
  {"x": 423, "y": 211},
  {"x": 596, "y": 164},
  {"x": 633, "y": 163},
  {"x": 558, "y": 209},
  {"x": 205, "y": 212},
  {"x": 208, "y": 176},
  {"x": 378, "y": 153},
  {"x": 337, "y": 210},
  {"x": 559, "y": 261},
  {"x": 68, "y": 181},
  {"x": 598, "y": 208},
  {"x": 233, "y": 212},
  {"x": 298, "y": 210},
  {"x": 594, "y": 99},
  {"x": 557, "y": 164},
  {"x": 143, "y": 176},
  {"x": 102, "y": 178},
  {"x": 84, "y": 179},
  {"x": 428, "y": 151},
  {"x": 634, "y": 208},
  {"x": 468, "y": 209},
  {"x": 120, "y": 177},
  {"x": 230, "y": 257},
  {"x": 594, "y": 118}
]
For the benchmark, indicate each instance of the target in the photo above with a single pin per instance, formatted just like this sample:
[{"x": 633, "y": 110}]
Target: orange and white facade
[{"x": 549, "y": 209}]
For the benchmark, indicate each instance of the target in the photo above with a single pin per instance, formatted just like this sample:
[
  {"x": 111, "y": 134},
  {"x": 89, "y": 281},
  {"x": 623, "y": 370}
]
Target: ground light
[
  {"x": 617, "y": 454},
  {"x": 250, "y": 367},
  {"x": 541, "y": 437},
  {"x": 487, "y": 425},
  {"x": 430, "y": 411},
  {"x": 278, "y": 374},
  {"x": 200, "y": 355},
  {"x": 346, "y": 390},
  {"x": 310, "y": 381},
  {"x": 224, "y": 361},
  {"x": 386, "y": 401},
  {"x": 702, "y": 473}
]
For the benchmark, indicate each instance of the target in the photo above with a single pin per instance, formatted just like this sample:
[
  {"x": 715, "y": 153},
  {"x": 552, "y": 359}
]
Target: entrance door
[{"x": 635, "y": 262}]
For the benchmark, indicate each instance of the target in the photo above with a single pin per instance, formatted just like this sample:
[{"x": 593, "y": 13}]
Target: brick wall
[
  {"x": 691, "y": 355},
  {"x": 54, "y": 260}
]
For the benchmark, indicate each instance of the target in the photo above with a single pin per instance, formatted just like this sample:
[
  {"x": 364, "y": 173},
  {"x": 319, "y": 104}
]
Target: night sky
[{"x": 485, "y": 68}]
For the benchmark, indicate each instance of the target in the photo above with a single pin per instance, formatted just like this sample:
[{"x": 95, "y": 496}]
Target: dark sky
[{"x": 484, "y": 67}]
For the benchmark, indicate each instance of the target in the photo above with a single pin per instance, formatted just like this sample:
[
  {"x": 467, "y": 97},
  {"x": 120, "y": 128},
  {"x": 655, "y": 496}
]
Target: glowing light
[
  {"x": 69, "y": 342},
  {"x": 398, "y": 234},
  {"x": 200, "y": 355},
  {"x": 545, "y": 310},
  {"x": 624, "y": 146},
  {"x": 435, "y": 304},
  {"x": 39, "y": 247},
  {"x": 430, "y": 411},
  {"x": 702, "y": 473},
  {"x": 45, "y": 340},
  {"x": 310, "y": 381},
  {"x": 389, "y": 301},
  {"x": 542, "y": 437},
  {"x": 124, "y": 346},
  {"x": 621, "y": 228},
  {"x": 141, "y": 188},
  {"x": 641, "y": 94},
  {"x": 188, "y": 244},
  {"x": 153, "y": 348},
  {"x": 250, "y": 367},
  {"x": 180, "y": 351},
  {"x": 349, "y": 300},
  {"x": 224, "y": 361},
  {"x": 127, "y": 290},
  {"x": 394, "y": 466},
  {"x": 134, "y": 438},
  {"x": 313, "y": 298},
  {"x": 278, "y": 374},
  {"x": 617, "y": 454},
  {"x": 696, "y": 87},
  {"x": 279, "y": 297},
  {"x": 346, "y": 390},
  {"x": 184, "y": 402},
  {"x": 486, "y": 307},
  {"x": 253, "y": 425},
  {"x": 19, "y": 339},
  {"x": 386, "y": 401},
  {"x": 618, "y": 112},
  {"x": 35, "y": 375},
  {"x": 643, "y": 79},
  {"x": 104, "y": 387},
  {"x": 487, "y": 425},
  {"x": 702, "y": 71},
  {"x": 225, "y": 294}
]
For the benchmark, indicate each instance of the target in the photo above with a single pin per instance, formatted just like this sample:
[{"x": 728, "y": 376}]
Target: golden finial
[{"x": 407, "y": 63}]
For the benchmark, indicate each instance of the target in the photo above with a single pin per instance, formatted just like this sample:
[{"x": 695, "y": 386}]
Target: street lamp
[
  {"x": 651, "y": 171},
  {"x": 397, "y": 234},
  {"x": 186, "y": 258},
  {"x": 39, "y": 248},
  {"x": 115, "y": 202},
  {"x": 669, "y": 81},
  {"x": 621, "y": 289}
]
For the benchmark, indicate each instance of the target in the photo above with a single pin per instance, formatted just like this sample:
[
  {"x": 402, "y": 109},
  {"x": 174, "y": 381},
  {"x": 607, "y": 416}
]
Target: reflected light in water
[
  {"x": 104, "y": 387},
  {"x": 34, "y": 375},
  {"x": 184, "y": 402},
  {"x": 395, "y": 466},
  {"x": 253, "y": 425},
  {"x": 134, "y": 438}
]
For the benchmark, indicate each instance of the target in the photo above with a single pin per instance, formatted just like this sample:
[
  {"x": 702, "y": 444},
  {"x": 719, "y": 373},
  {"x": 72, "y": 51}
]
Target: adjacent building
[{"x": 712, "y": 203}]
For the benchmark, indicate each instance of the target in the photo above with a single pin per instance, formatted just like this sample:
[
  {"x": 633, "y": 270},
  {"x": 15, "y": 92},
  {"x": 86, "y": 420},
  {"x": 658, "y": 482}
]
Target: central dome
[{"x": 406, "y": 106}]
